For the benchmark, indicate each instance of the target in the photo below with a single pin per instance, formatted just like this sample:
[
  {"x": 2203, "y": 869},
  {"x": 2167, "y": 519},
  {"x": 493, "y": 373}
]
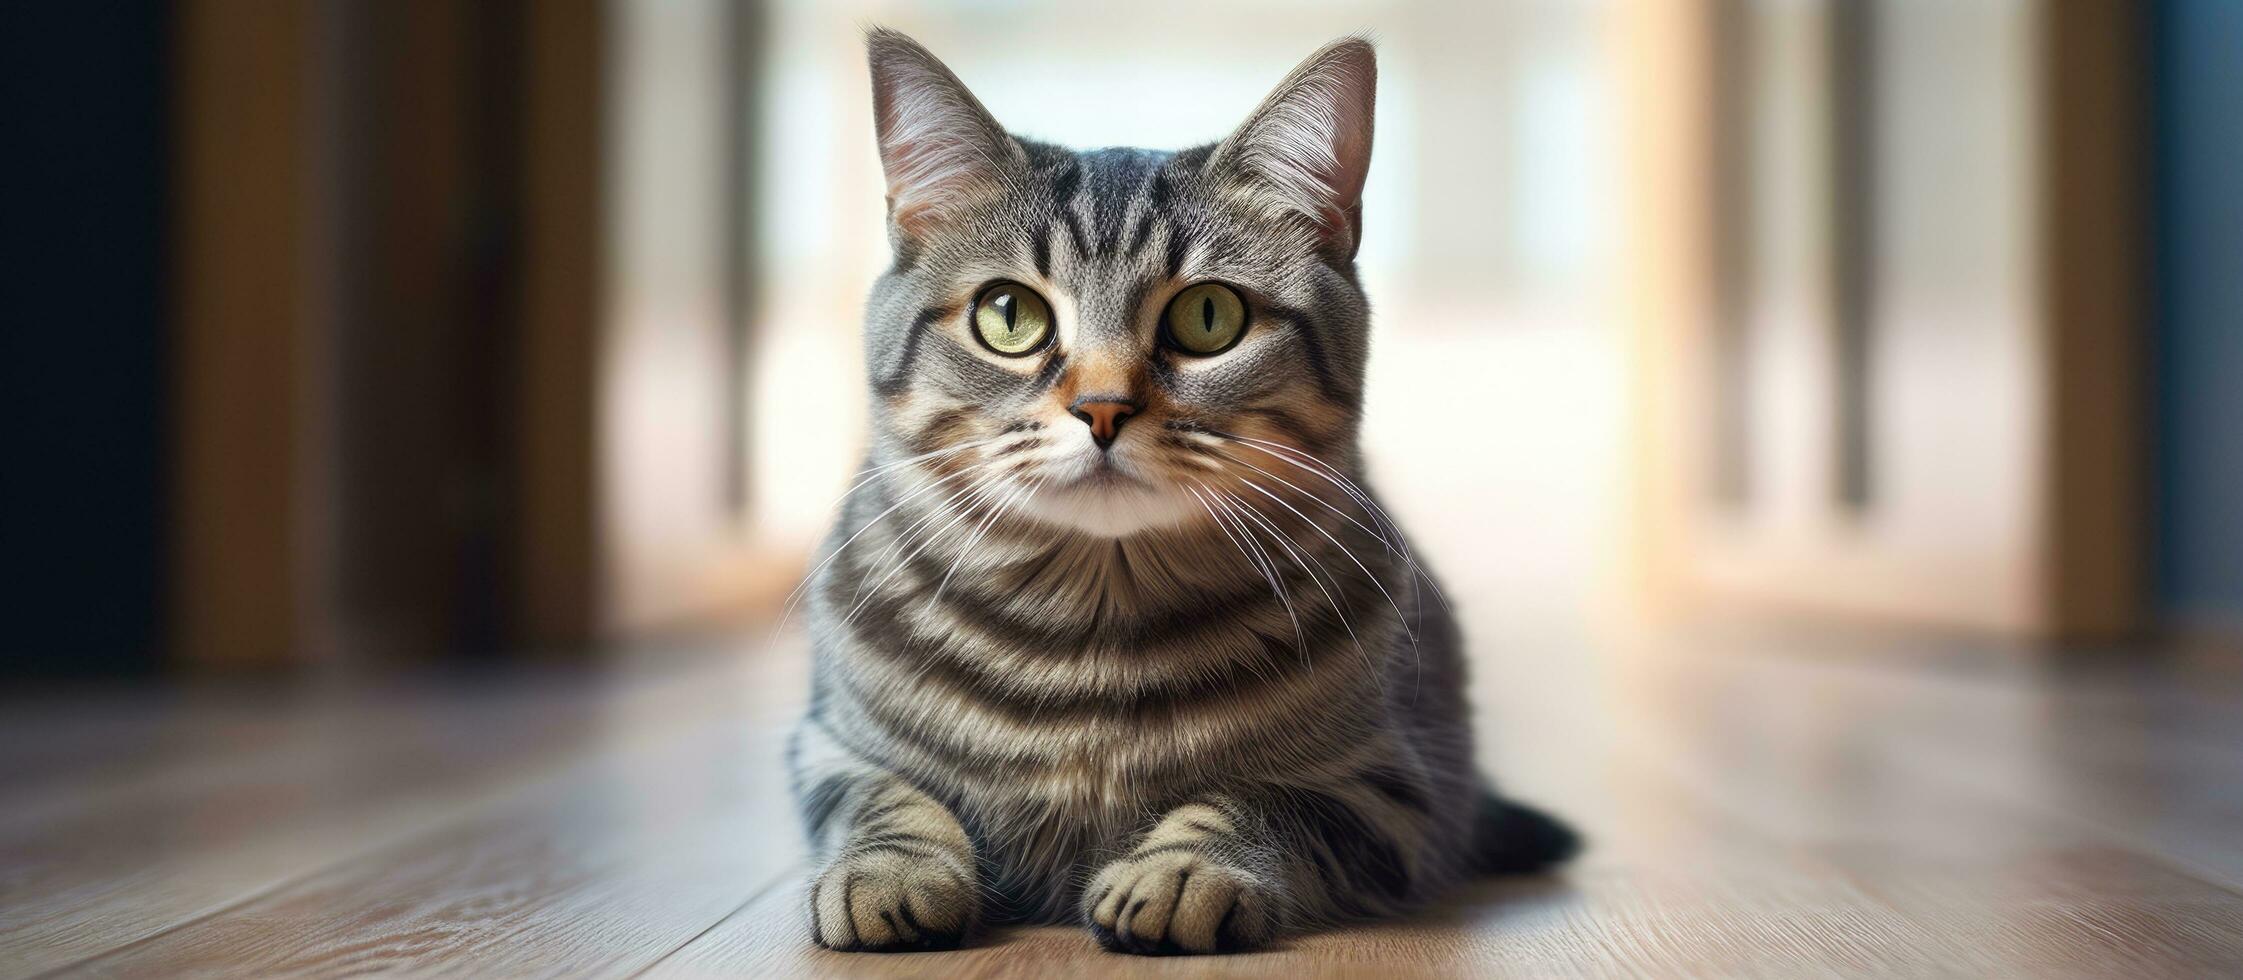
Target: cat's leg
[
  {"x": 897, "y": 869},
  {"x": 1200, "y": 881},
  {"x": 1231, "y": 873}
]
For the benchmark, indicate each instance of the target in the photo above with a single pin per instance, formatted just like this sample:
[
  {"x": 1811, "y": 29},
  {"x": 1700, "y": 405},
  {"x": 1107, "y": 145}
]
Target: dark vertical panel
[
  {"x": 401, "y": 499},
  {"x": 468, "y": 188},
  {"x": 2094, "y": 220},
  {"x": 346, "y": 168},
  {"x": 424, "y": 359},
  {"x": 82, "y": 334},
  {"x": 491, "y": 322},
  {"x": 557, "y": 587},
  {"x": 248, "y": 566},
  {"x": 1853, "y": 245},
  {"x": 2198, "y": 59}
]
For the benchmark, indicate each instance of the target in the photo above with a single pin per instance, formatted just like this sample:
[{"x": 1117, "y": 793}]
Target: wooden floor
[{"x": 1756, "y": 808}]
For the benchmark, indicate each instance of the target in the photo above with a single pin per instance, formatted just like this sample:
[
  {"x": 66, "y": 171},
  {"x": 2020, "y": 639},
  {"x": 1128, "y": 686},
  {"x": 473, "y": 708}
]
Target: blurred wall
[{"x": 2200, "y": 307}]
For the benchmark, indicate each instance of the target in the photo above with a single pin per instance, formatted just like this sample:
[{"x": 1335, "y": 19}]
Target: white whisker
[
  {"x": 1319, "y": 528},
  {"x": 1335, "y": 601},
  {"x": 1018, "y": 496},
  {"x": 931, "y": 538},
  {"x": 796, "y": 596},
  {"x": 1300, "y": 638},
  {"x": 941, "y": 508},
  {"x": 874, "y": 473},
  {"x": 1328, "y": 505},
  {"x": 1371, "y": 507}
]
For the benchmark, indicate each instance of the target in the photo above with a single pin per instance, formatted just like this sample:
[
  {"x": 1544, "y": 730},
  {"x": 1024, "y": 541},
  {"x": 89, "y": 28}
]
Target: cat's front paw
[
  {"x": 1178, "y": 901},
  {"x": 881, "y": 900}
]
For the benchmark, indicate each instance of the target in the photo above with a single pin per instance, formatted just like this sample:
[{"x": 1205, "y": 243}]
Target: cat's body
[{"x": 1111, "y": 630}]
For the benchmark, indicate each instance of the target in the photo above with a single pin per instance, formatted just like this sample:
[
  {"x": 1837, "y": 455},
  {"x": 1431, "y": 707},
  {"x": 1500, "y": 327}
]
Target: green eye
[
  {"x": 1206, "y": 319},
  {"x": 1012, "y": 319}
]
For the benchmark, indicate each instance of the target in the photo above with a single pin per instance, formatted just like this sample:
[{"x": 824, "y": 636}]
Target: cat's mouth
[
  {"x": 1108, "y": 497},
  {"x": 1104, "y": 473}
]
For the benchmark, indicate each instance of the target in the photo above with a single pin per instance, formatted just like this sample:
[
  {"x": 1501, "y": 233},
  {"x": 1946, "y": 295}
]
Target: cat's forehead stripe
[
  {"x": 1117, "y": 180},
  {"x": 1108, "y": 202},
  {"x": 1064, "y": 188}
]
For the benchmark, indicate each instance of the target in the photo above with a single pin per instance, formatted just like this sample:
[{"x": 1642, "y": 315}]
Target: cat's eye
[
  {"x": 1205, "y": 319},
  {"x": 1011, "y": 319}
]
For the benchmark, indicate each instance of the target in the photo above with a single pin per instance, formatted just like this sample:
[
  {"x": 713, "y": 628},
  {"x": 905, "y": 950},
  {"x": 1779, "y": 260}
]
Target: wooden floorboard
[
  {"x": 600, "y": 875},
  {"x": 128, "y": 858},
  {"x": 1754, "y": 811}
]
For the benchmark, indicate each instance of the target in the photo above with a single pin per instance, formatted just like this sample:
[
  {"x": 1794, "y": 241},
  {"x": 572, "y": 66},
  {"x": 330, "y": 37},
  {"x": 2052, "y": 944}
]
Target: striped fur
[{"x": 1192, "y": 690}]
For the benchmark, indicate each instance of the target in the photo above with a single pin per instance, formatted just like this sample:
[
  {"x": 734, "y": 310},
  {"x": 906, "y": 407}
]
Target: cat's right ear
[
  {"x": 940, "y": 149},
  {"x": 1307, "y": 149}
]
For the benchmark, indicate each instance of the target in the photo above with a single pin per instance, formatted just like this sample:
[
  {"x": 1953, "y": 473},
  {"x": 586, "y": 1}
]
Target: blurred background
[{"x": 356, "y": 335}]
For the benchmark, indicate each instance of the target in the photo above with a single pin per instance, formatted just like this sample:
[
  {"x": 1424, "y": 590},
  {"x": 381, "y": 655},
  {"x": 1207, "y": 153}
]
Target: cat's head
[{"x": 1107, "y": 338}]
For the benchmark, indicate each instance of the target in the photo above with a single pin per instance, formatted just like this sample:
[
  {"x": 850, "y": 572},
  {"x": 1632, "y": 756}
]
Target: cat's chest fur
[
  {"x": 1056, "y": 694},
  {"x": 1091, "y": 670},
  {"x": 1133, "y": 715}
]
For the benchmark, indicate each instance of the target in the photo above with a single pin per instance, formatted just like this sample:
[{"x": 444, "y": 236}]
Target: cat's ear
[
  {"x": 940, "y": 149},
  {"x": 1307, "y": 148}
]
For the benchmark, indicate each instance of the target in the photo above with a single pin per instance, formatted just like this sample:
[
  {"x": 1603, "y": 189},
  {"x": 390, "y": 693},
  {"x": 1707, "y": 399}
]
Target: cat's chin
[{"x": 1110, "y": 508}]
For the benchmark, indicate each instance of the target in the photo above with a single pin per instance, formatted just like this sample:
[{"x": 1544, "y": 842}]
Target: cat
[{"x": 1110, "y": 629}]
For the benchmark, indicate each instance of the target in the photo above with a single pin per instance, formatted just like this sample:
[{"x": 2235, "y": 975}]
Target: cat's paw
[
  {"x": 1177, "y": 901},
  {"x": 881, "y": 901}
]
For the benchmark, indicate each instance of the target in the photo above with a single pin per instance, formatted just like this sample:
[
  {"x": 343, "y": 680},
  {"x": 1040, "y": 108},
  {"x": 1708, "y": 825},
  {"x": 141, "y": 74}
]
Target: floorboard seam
[{"x": 758, "y": 893}]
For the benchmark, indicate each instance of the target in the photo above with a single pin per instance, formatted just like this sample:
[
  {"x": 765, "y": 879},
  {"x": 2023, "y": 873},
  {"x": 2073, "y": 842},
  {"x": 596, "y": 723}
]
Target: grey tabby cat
[{"x": 1110, "y": 630}]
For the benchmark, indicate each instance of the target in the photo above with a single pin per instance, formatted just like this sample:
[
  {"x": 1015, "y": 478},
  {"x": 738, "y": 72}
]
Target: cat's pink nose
[{"x": 1104, "y": 414}]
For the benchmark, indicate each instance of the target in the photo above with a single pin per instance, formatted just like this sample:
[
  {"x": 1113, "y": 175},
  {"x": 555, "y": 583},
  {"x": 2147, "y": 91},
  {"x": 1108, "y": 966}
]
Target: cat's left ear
[
  {"x": 1307, "y": 148},
  {"x": 940, "y": 149}
]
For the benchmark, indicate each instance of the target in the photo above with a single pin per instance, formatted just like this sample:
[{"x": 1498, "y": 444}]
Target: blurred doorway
[{"x": 1902, "y": 379}]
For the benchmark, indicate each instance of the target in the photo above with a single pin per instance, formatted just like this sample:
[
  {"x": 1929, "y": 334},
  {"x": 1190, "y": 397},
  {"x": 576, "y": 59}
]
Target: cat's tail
[{"x": 1511, "y": 838}]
